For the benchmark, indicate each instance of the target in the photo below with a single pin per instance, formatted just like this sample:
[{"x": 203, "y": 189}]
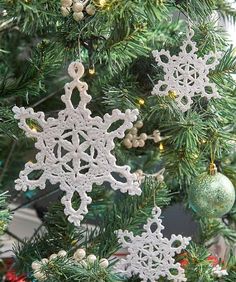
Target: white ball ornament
[
  {"x": 44, "y": 261},
  {"x": 79, "y": 254},
  {"x": 90, "y": 9},
  {"x": 66, "y": 3},
  {"x": 78, "y": 16},
  {"x": 104, "y": 263},
  {"x": 53, "y": 256},
  {"x": 36, "y": 265},
  {"x": 65, "y": 11},
  {"x": 62, "y": 253},
  {"x": 77, "y": 7},
  {"x": 91, "y": 259}
]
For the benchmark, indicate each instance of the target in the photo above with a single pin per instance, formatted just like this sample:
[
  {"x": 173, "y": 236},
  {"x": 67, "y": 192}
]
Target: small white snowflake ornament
[
  {"x": 75, "y": 149},
  {"x": 150, "y": 255},
  {"x": 186, "y": 74},
  {"x": 219, "y": 272}
]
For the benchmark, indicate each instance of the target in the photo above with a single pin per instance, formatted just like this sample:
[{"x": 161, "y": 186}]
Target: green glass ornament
[{"x": 212, "y": 194}]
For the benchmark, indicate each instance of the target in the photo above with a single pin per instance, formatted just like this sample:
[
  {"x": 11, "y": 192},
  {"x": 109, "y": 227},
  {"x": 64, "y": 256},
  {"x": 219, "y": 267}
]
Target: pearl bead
[
  {"x": 53, "y": 256},
  {"x": 104, "y": 263},
  {"x": 83, "y": 263},
  {"x": 62, "y": 253},
  {"x": 143, "y": 136},
  {"x": 141, "y": 143},
  {"x": 135, "y": 143},
  {"x": 44, "y": 261},
  {"x": 133, "y": 130},
  {"x": 65, "y": 11},
  {"x": 66, "y": 3},
  {"x": 157, "y": 138},
  {"x": 91, "y": 10},
  {"x": 39, "y": 275},
  {"x": 139, "y": 172},
  {"x": 78, "y": 16},
  {"x": 160, "y": 178},
  {"x": 156, "y": 132},
  {"x": 91, "y": 259},
  {"x": 79, "y": 254},
  {"x": 77, "y": 7},
  {"x": 127, "y": 143},
  {"x": 36, "y": 265},
  {"x": 129, "y": 136},
  {"x": 139, "y": 124}
]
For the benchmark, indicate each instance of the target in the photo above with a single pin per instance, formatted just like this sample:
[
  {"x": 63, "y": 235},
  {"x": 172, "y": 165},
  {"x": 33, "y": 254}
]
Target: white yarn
[
  {"x": 150, "y": 255},
  {"x": 186, "y": 74},
  {"x": 75, "y": 148}
]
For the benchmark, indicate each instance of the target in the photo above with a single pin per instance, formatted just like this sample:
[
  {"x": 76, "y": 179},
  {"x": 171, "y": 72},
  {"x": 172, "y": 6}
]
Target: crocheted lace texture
[
  {"x": 186, "y": 74},
  {"x": 150, "y": 255},
  {"x": 75, "y": 149}
]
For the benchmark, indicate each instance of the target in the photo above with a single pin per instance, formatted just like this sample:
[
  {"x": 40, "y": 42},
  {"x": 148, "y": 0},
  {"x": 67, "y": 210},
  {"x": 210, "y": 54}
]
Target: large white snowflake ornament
[
  {"x": 150, "y": 255},
  {"x": 75, "y": 149},
  {"x": 186, "y": 74}
]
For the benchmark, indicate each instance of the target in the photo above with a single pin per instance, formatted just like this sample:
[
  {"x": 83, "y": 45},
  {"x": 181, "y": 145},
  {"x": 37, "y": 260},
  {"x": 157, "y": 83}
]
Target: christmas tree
[{"x": 117, "y": 115}]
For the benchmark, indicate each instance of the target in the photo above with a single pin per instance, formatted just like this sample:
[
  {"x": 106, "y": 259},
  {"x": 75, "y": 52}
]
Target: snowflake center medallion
[
  {"x": 150, "y": 254},
  {"x": 75, "y": 149},
  {"x": 186, "y": 74}
]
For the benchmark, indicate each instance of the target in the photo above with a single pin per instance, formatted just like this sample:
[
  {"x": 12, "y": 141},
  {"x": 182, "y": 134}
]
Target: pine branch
[{"x": 226, "y": 10}]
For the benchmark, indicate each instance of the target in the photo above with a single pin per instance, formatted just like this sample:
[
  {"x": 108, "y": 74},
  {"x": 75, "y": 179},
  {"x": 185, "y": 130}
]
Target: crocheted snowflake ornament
[
  {"x": 150, "y": 255},
  {"x": 186, "y": 74},
  {"x": 75, "y": 149}
]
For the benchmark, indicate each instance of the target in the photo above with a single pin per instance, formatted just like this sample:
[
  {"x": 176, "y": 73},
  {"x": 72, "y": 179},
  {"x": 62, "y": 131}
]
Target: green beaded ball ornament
[{"x": 212, "y": 195}]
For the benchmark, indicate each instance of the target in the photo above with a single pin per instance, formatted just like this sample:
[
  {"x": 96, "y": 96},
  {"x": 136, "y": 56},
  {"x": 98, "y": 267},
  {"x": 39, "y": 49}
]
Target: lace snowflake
[
  {"x": 75, "y": 149},
  {"x": 150, "y": 255},
  {"x": 186, "y": 74}
]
